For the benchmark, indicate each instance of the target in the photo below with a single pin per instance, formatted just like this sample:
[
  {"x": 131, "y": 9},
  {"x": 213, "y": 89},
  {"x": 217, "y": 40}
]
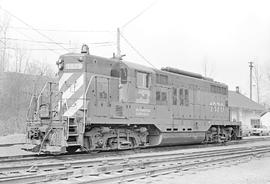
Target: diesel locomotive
[{"x": 107, "y": 103}]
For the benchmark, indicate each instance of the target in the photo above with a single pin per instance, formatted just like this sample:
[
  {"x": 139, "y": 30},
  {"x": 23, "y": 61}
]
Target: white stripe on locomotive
[
  {"x": 74, "y": 108},
  {"x": 75, "y": 86},
  {"x": 72, "y": 94},
  {"x": 63, "y": 79}
]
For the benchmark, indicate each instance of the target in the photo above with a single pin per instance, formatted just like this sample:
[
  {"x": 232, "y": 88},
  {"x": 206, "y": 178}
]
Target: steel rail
[
  {"x": 53, "y": 164},
  {"x": 85, "y": 168},
  {"x": 12, "y": 144},
  {"x": 161, "y": 170},
  {"x": 34, "y": 157}
]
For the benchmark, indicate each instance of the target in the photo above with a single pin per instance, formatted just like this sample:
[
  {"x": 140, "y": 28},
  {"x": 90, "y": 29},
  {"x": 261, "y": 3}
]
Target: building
[
  {"x": 245, "y": 110},
  {"x": 265, "y": 119},
  {"x": 16, "y": 90}
]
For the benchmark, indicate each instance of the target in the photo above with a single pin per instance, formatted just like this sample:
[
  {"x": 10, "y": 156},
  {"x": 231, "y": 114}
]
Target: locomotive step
[
  {"x": 73, "y": 134},
  {"x": 73, "y": 144}
]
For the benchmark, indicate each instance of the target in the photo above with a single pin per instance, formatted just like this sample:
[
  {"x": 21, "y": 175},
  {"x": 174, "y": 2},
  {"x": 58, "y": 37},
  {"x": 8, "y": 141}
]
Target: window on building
[
  {"x": 164, "y": 97},
  {"x": 174, "y": 96},
  {"x": 186, "y": 97},
  {"x": 181, "y": 97},
  {"x": 142, "y": 80},
  {"x": 255, "y": 123},
  {"x": 158, "y": 96}
]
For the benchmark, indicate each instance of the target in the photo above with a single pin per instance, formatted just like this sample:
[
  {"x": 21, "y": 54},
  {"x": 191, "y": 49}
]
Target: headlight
[
  {"x": 80, "y": 59},
  {"x": 60, "y": 64}
]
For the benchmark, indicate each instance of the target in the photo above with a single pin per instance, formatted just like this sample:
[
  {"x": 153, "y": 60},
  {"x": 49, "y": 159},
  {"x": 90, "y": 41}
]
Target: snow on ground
[
  {"x": 13, "y": 150},
  {"x": 255, "y": 171},
  {"x": 12, "y": 139}
]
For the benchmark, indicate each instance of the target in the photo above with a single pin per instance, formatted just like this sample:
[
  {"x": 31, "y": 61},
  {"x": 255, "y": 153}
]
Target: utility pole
[
  {"x": 118, "y": 53},
  {"x": 250, "y": 79}
]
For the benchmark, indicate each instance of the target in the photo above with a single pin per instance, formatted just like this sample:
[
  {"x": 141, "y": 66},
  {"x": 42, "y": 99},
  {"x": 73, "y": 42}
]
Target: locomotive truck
[{"x": 102, "y": 103}]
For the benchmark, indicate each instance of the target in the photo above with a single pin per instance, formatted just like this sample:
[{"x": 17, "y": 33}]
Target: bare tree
[
  {"x": 21, "y": 59},
  {"x": 42, "y": 68},
  {"x": 4, "y": 26}
]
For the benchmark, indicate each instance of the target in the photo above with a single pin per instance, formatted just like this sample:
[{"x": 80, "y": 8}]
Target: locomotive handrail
[
  {"x": 43, "y": 89},
  {"x": 45, "y": 137},
  {"x": 84, "y": 99},
  {"x": 29, "y": 107}
]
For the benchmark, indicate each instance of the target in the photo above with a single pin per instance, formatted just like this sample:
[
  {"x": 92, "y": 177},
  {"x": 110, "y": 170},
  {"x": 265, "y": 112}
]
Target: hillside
[{"x": 16, "y": 90}]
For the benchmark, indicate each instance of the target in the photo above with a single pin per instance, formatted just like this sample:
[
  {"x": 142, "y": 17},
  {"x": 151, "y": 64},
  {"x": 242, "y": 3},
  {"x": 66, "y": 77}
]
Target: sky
[{"x": 221, "y": 36}]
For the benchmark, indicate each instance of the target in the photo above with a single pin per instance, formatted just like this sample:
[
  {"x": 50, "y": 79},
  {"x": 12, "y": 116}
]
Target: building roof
[{"x": 239, "y": 100}]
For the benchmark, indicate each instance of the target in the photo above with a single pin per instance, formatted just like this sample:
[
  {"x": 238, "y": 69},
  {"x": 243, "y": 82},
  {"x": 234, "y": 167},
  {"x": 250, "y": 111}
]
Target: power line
[
  {"x": 29, "y": 37},
  {"x": 2, "y": 42},
  {"x": 40, "y": 33},
  {"x": 45, "y": 49},
  {"x": 28, "y": 25},
  {"x": 54, "y": 49},
  {"x": 137, "y": 51},
  {"x": 63, "y": 30},
  {"x": 138, "y": 15},
  {"x": 34, "y": 41}
]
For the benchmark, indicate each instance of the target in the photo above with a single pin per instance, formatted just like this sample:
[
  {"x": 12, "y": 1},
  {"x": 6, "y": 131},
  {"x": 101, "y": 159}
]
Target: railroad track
[
  {"x": 107, "y": 170},
  {"x": 11, "y": 144},
  {"x": 35, "y": 157},
  {"x": 21, "y": 143}
]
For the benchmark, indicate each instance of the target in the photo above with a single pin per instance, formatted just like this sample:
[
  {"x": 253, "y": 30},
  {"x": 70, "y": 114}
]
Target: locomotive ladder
[{"x": 72, "y": 132}]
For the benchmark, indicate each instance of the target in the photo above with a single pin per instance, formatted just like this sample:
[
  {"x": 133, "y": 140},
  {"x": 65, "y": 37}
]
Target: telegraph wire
[
  {"x": 45, "y": 49},
  {"x": 34, "y": 41},
  {"x": 40, "y": 33},
  {"x": 43, "y": 45},
  {"x": 36, "y": 30},
  {"x": 137, "y": 51},
  {"x": 64, "y": 30},
  {"x": 47, "y": 42},
  {"x": 54, "y": 49},
  {"x": 2, "y": 42},
  {"x": 29, "y": 37},
  {"x": 139, "y": 14}
]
